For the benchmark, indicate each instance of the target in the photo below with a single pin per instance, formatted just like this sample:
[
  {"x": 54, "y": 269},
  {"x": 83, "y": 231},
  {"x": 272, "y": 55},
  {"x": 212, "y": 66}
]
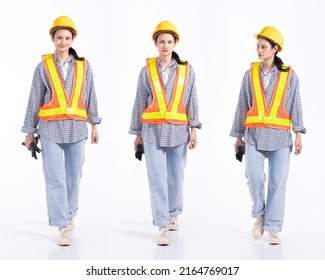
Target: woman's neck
[
  {"x": 165, "y": 61},
  {"x": 268, "y": 65},
  {"x": 63, "y": 56}
]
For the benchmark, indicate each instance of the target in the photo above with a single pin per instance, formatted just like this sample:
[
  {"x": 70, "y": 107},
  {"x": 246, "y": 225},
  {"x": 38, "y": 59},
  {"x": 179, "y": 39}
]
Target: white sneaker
[
  {"x": 164, "y": 237},
  {"x": 71, "y": 226},
  {"x": 173, "y": 223},
  {"x": 274, "y": 238},
  {"x": 64, "y": 237},
  {"x": 258, "y": 230}
]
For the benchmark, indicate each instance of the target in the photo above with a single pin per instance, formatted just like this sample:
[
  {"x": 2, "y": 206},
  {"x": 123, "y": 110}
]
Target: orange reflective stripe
[
  {"x": 158, "y": 112},
  {"x": 58, "y": 108}
]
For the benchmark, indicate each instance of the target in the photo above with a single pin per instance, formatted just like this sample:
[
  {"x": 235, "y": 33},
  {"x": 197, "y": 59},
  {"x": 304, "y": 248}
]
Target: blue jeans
[
  {"x": 165, "y": 168},
  {"x": 62, "y": 167},
  {"x": 278, "y": 169}
]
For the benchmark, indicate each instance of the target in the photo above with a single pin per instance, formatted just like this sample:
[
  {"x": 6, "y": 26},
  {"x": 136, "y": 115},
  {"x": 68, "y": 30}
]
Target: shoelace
[
  {"x": 64, "y": 232},
  {"x": 273, "y": 234},
  {"x": 163, "y": 233},
  {"x": 173, "y": 220}
]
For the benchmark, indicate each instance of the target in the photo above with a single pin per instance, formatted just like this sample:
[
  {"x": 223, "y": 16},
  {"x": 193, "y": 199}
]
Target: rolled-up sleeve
[
  {"x": 296, "y": 113},
  {"x": 193, "y": 105},
  {"x": 92, "y": 105},
  {"x": 35, "y": 101},
  {"x": 238, "y": 128},
  {"x": 141, "y": 103}
]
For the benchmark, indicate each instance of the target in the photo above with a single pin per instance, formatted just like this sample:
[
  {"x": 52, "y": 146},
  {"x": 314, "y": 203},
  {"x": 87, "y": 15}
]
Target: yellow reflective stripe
[
  {"x": 78, "y": 83},
  {"x": 179, "y": 88},
  {"x": 75, "y": 111},
  {"x": 176, "y": 116},
  {"x": 56, "y": 80},
  {"x": 257, "y": 89},
  {"x": 166, "y": 115},
  {"x": 51, "y": 112},
  {"x": 153, "y": 115},
  {"x": 157, "y": 85},
  {"x": 278, "y": 121},
  {"x": 279, "y": 93},
  {"x": 255, "y": 119}
]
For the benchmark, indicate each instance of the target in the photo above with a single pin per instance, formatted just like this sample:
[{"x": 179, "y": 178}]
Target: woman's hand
[
  {"x": 29, "y": 139},
  {"x": 193, "y": 140},
  {"x": 94, "y": 134},
  {"x": 298, "y": 144},
  {"x": 137, "y": 140},
  {"x": 239, "y": 143}
]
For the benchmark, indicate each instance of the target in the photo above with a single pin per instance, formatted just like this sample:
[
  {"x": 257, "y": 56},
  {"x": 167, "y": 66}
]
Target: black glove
[
  {"x": 239, "y": 153},
  {"x": 34, "y": 148},
  {"x": 139, "y": 151}
]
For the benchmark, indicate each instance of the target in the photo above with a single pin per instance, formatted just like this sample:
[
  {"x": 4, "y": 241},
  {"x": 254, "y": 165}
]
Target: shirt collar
[
  {"x": 273, "y": 71},
  {"x": 173, "y": 63},
  {"x": 57, "y": 59}
]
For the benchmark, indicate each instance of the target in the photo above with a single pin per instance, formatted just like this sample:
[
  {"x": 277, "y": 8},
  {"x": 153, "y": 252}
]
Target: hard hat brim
[
  {"x": 155, "y": 35},
  {"x": 73, "y": 31},
  {"x": 257, "y": 35}
]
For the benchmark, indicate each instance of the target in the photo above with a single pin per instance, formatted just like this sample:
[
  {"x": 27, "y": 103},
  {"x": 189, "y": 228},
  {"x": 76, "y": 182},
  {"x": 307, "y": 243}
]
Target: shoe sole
[
  {"x": 163, "y": 244},
  {"x": 275, "y": 243},
  {"x": 173, "y": 228},
  {"x": 66, "y": 243}
]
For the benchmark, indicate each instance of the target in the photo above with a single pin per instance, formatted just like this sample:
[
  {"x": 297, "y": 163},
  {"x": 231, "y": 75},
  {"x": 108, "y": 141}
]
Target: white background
[{"x": 114, "y": 221}]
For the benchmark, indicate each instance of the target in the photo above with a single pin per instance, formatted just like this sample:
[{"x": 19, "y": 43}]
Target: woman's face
[
  {"x": 165, "y": 44},
  {"x": 62, "y": 40},
  {"x": 264, "y": 49}
]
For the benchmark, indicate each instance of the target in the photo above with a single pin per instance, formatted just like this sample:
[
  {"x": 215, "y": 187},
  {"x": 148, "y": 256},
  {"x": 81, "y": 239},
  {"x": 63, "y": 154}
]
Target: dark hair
[
  {"x": 277, "y": 60},
  {"x": 75, "y": 55},
  {"x": 174, "y": 54},
  {"x": 178, "y": 60},
  {"x": 71, "y": 50}
]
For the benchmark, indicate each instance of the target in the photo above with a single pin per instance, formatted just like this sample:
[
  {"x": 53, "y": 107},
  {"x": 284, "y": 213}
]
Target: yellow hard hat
[
  {"x": 165, "y": 26},
  {"x": 272, "y": 34},
  {"x": 64, "y": 22}
]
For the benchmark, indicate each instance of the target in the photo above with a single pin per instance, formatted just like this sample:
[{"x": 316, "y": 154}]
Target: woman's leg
[{"x": 157, "y": 176}]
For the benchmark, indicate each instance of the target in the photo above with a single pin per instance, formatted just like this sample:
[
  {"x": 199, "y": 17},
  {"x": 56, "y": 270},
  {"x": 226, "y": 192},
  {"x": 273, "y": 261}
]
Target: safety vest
[
  {"x": 275, "y": 116},
  {"x": 159, "y": 112},
  {"x": 60, "y": 107}
]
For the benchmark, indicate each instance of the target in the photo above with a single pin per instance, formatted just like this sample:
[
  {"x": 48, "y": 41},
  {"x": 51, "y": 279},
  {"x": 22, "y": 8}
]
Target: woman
[
  {"x": 164, "y": 120},
  {"x": 62, "y": 100},
  {"x": 269, "y": 106}
]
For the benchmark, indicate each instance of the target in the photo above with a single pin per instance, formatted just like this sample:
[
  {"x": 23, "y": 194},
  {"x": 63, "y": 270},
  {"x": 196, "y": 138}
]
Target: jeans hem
[
  {"x": 175, "y": 213},
  {"x": 160, "y": 224},
  {"x": 268, "y": 228},
  {"x": 59, "y": 223}
]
